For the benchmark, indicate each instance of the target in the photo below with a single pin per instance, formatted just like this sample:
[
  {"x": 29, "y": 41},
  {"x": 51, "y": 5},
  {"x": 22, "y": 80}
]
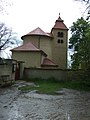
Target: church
[{"x": 44, "y": 50}]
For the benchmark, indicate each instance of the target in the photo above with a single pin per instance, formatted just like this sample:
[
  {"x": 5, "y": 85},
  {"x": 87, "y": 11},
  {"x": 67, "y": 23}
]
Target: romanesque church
[{"x": 44, "y": 50}]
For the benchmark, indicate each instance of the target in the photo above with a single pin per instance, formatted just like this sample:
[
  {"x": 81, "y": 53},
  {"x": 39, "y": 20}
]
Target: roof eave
[
  {"x": 60, "y": 28},
  {"x": 49, "y": 65},
  {"x": 35, "y": 35},
  {"x": 29, "y": 51}
]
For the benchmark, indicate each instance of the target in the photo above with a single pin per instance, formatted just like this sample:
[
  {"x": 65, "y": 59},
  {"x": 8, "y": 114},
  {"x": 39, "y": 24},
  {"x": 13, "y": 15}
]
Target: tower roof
[
  {"x": 59, "y": 24},
  {"x": 37, "y": 31}
]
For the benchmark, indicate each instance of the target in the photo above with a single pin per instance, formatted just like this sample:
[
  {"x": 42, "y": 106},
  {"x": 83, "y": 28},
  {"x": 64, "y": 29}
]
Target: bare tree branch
[
  {"x": 8, "y": 38},
  {"x": 87, "y": 10},
  {"x": 4, "y": 4},
  {"x": 87, "y": 1}
]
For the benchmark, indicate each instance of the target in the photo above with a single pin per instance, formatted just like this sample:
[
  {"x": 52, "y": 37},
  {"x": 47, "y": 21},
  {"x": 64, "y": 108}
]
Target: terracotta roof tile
[
  {"x": 59, "y": 24},
  {"x": 37, "y": 31},
  {"x": 28, "y": 47},
  {"x": 48, "y": 62},
  {"x": 50, "y": 34}
]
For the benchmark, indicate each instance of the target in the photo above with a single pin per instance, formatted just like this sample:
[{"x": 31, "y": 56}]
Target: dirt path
[{"x": 70, "y": 105}]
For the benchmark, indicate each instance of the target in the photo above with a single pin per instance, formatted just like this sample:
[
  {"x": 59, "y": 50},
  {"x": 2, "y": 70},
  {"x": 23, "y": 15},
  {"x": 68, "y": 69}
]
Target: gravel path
[{"x": 69, "y": 105}]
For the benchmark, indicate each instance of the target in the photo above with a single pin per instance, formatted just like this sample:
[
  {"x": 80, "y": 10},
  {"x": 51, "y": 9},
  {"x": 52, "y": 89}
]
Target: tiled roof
[
  {"x": 37, "y": 31},
  {"x": 50, "y": 34},
  {"x": 28, "y": 47},
  {"x": 59, "y": 24},
  {"x": 48, "y": 62}
]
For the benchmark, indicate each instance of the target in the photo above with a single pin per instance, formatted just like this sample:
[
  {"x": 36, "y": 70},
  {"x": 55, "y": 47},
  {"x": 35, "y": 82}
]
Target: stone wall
[
  {"x": 5, "y": 70},
  {"x": 59, "y": 74},
  {"x": 30, "y": 73}
]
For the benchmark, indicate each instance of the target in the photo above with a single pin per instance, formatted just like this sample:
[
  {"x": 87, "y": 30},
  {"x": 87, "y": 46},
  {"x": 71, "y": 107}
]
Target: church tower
[{"x": 59, "y": 44}]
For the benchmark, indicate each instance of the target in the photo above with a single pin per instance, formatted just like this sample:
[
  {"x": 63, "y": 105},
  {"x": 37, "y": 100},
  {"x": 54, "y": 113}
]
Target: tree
[
  {"x": 87, "y": 1},
  {"x": 7, "y": 38},
  {"x": 87, "y": 7},
  {"x": 80, "y": 43}
]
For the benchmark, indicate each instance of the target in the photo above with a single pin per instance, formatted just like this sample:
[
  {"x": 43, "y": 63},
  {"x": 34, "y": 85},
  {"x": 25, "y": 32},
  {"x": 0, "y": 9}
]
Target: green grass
[{"x": 50, "y": 86}]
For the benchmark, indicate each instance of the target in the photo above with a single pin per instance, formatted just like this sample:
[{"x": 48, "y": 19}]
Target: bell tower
[{"x": 59, "y": 44}]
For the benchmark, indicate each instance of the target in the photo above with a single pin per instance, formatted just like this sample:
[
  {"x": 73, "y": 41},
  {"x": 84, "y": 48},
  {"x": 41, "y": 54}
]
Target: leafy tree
[
  {"x": 7, "y": 38},
  {"x": 80, "y": 43}
]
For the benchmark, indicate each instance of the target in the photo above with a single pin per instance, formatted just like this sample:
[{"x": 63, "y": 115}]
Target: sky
[{"x": 25, "y": 15}]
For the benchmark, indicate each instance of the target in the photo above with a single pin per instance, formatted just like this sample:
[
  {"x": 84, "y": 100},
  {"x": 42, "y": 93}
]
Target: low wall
[
  {"x": 6, "y": 69},
  {"x": 59, "y": 74}
]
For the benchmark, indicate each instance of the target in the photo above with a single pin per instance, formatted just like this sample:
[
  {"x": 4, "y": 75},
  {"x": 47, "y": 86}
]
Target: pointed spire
[
  {"x": 59, "y": 24},
  {"x": 59, "y": 14},
  {"x": 59, "y": 19}
]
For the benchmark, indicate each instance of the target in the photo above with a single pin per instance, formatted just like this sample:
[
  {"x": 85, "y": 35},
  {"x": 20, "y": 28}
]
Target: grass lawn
[{"x": 50, "y": 86}]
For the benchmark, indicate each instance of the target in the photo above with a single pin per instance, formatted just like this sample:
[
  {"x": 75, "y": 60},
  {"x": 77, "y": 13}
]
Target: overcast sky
[{"x": 26, "y": 15}]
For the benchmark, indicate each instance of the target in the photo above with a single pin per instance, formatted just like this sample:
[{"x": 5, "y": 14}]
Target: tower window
[
  {"x": 60, "y": 34},
  {"x": 60, "y": 41}
]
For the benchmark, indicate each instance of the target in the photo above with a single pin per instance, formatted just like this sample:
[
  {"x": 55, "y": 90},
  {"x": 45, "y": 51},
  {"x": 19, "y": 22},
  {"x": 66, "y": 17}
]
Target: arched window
[
  {"x": 60, "y": 41},
  {"x": 60, "y": 34}
]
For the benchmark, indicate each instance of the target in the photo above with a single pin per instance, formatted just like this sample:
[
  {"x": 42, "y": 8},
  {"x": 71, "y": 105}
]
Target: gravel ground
[{"x": 69, "y": 105}]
